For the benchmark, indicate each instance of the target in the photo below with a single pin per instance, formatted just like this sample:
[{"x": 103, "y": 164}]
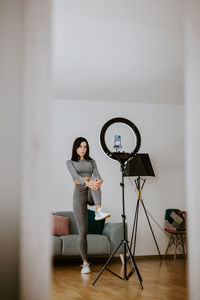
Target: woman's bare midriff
[{"x": 84, "y": 178}]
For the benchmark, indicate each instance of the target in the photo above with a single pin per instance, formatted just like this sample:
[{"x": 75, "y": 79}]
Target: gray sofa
[{"x": 98, "y": 244}]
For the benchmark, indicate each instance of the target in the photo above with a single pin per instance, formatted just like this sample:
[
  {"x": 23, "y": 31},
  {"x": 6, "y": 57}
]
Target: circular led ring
[{"x": 136, "y": 133}]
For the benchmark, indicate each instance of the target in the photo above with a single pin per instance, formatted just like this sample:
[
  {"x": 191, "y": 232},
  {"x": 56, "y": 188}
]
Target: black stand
[
  {"x": 126, "y": 247},
  {"x": 135, "y": 223}
]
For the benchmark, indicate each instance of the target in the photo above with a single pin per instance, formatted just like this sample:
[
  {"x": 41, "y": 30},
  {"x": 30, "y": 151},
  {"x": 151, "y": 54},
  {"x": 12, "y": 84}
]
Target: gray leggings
[{"x": 81, "y": 198}]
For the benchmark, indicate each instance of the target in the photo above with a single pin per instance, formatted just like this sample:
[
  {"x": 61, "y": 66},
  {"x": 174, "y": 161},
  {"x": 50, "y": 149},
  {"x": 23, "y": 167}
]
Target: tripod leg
[
  {"x": 125, "y": 261},
  {"x": 104, "y": 267},
  {"x": 136, "y": 228},
  {"x": 151, "y": 229},
  {"x": 135, "y": 217},
  {"x": 135, "y": 266},
  {"x": 133, "y": 230}
]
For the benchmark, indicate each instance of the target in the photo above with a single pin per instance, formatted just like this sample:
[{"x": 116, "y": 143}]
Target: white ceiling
[{"x": 119, "y": 50}]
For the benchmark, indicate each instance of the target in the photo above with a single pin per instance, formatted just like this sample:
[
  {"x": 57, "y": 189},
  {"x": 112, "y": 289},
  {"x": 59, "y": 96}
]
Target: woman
[{"x": 87, "y": 190}]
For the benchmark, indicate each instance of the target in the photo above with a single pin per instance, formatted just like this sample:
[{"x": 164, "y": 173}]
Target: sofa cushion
[
  {"x": 57, "y": 246},
  {"x": 60, "y": 225},
  {"x": 97, "y": 245},
  {"x": 174, "y": 220},
  {"x": 94, "y": 227},
  {"x": 72, "y": 223}
]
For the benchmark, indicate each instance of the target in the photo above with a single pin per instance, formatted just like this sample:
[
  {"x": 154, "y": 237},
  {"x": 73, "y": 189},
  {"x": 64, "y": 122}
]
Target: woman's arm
[
  {"x": 74, "y": 173},
  {"x": 95, "y": 170}
]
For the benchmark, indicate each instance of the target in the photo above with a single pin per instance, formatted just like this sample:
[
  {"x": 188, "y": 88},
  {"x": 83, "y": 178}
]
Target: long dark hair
[{"x": 76, "y": 145}]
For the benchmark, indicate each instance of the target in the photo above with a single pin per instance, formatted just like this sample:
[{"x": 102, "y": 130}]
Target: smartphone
[{"x": 117, "y": 142}]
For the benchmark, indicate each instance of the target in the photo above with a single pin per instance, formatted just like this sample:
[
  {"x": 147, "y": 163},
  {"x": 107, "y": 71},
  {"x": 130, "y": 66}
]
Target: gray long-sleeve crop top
[{"x": 83, "y": 168}]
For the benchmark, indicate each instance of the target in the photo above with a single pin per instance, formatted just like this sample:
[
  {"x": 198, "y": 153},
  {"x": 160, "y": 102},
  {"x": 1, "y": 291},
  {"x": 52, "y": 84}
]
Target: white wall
[
  {"x": 130, "y": 50},
  {"x": 192, "y": 112},
  {"x": 161, "y": 128}
]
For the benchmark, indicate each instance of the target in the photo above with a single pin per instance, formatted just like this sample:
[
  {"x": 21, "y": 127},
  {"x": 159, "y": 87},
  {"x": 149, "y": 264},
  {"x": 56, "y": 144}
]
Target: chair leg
[
  {"x": 169, "y": 243},
  {"x": 122, "y": 258},
  {"x": 186, "y": 244},
  {"x": 175, "y": 245},
  {"x": 182, "y": 241}
]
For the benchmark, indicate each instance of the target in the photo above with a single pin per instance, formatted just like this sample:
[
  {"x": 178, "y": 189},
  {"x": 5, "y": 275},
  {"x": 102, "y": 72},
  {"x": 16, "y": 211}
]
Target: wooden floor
[{"x": 162, "y": 281}]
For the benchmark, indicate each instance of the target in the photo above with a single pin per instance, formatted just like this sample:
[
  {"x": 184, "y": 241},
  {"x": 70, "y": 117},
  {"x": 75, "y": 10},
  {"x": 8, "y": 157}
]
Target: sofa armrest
[{"x": 114, "y": 232}]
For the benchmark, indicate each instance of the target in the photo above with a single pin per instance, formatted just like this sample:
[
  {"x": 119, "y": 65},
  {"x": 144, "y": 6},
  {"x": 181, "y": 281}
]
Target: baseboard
[{"x": 155, "y": 256}]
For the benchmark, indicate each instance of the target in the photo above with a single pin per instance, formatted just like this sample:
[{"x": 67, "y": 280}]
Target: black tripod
[
  {"x": 125, "y": 248},
  {"x": 135, "y": 223}
]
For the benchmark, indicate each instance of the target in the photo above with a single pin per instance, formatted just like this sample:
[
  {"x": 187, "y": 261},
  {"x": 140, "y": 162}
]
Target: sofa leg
[{"x": 122, "y": 258}]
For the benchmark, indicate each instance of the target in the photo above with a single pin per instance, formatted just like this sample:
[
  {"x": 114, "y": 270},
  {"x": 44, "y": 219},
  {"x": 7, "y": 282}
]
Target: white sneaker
[
  {"x": 100, "y": 215},
  {"x": 85, "y": 268}
]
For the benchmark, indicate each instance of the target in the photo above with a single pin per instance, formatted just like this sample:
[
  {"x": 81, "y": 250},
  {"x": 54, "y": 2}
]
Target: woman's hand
[
  {"x": 94, "y": 184},
  {"x": 99, "y": 182}
]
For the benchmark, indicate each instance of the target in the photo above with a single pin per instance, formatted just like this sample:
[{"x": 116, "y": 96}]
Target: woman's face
[{"x": 81, "y": 150}]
